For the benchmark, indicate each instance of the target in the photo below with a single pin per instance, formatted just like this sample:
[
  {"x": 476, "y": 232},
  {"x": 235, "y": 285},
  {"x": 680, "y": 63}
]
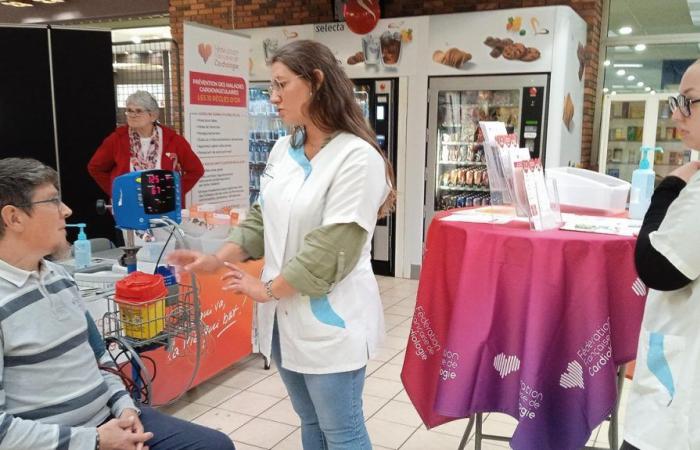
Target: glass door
[
  {"x": 675, "y": 154},
  {"x": 461, "y": 165},
  {"x": 265, "y": 128},
  {"x": 631, "y": 121},
  {"x": 625, "y": 135}
]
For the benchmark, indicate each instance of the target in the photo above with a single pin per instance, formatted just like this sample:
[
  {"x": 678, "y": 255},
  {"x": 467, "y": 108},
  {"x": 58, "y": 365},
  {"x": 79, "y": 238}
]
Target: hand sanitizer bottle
[
  {"x": 82, "y": 248},
  {"x": 642, "y": 184}
]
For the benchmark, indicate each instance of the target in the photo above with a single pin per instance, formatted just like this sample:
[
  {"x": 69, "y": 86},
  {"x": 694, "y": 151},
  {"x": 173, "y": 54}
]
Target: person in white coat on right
[{"x": 663, "y": 411}]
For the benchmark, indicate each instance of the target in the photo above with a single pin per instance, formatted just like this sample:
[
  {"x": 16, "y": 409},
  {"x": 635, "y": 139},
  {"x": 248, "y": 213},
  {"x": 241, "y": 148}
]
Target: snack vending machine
[{"x": 456, "y": 173}]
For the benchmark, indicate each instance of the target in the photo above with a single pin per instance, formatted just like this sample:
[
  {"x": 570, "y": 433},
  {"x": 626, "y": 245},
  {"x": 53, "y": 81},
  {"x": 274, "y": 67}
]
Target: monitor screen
[{"x": 158, "y": 190}]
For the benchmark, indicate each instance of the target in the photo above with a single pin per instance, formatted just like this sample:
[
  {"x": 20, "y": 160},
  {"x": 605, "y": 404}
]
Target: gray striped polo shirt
[{"x": 52, "y": 393}]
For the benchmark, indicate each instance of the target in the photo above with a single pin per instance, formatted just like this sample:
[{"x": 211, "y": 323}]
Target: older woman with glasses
[
  {"x": 663, "y": 411},
  {"x": 144, "y": 144}
]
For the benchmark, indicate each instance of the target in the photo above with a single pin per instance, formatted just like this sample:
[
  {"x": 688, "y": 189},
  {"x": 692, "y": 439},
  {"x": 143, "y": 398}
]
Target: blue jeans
[
  {"x": 329, "y": 406},
  {"x": 171, "y": 433}
]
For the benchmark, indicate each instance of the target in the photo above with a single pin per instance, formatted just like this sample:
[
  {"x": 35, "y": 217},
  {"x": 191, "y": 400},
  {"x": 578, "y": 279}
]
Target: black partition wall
[{"x": 57, "y": 105}]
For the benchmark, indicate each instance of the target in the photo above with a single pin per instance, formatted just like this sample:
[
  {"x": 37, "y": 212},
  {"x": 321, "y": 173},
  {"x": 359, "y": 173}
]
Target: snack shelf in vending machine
[{"x": 265, "y": 128}]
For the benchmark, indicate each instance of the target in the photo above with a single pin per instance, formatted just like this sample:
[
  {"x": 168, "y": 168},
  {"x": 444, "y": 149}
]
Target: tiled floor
[{"x": 251, "y": 405}]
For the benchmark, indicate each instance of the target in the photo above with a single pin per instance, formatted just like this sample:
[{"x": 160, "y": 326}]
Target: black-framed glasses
[
  {"x": 56, "y": 201},
  {"x": 682, "y": 103}
]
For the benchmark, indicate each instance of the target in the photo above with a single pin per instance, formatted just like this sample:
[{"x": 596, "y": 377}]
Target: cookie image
[
  {"x": 514, "y": 51},
  {"x": 582, "y": 57},
  {"x": 356, "y": 58},
  {"x": 531, "y": 54},
  {"x": 511, "y": 50},
  {"x": 492, "y": 41}
]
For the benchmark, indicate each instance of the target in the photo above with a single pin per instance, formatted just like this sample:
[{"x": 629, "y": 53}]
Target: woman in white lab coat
[
  {"x": 320, "y": 315},
  {"x": 663, "y": 411}
]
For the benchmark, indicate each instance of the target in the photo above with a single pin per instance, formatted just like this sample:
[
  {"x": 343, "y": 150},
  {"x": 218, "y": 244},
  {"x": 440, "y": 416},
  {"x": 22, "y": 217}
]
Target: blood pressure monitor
[{"x": 138, "y": 197}]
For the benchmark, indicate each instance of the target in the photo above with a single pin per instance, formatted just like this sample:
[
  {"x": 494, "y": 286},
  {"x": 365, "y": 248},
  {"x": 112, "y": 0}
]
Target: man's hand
[
  {"x": 136, "y": 426},
  {"x": 117, "y": 434}
]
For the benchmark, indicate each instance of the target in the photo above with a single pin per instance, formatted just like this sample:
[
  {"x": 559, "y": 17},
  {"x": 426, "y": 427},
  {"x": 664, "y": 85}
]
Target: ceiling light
[
  {"x": 607, "y": 63},
  {"x": 605, "y": 90},
  {"x": 136, "y": 40},
  {"x": 640, "y": 47},
  {"x": 629, "y": 65},
  {"x": 630, "y": 78},
  {"x": 625, "y": 30},
  {"x": 652, "y": 92},
  {"x": 16, "y": 3},
  {"x": 617, "y": 86},
  {"x": 613, "y": 93},
  {"x": 620, "y": 72},
  {"x": 48, "y": 2},
  {"x": 647, "y": 89},
  {"x": 640, "y": 83}
]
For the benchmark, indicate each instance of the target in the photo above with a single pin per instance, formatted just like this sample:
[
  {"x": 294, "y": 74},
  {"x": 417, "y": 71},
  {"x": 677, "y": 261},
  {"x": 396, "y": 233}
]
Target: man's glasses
[
  {"x": 135, "y": 112},
  {"x": 681, "y": 103},
  {"x": 278, "y": 86},
  {"x": 56, "y": 201}
]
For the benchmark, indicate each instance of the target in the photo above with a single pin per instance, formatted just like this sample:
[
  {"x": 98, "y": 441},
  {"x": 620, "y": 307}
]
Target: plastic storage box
[{"x": 585, "y": 191}]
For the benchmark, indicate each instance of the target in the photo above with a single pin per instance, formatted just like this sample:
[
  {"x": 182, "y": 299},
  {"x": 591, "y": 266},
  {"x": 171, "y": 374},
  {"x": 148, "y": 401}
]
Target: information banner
[{"x": 216, "y": 113}]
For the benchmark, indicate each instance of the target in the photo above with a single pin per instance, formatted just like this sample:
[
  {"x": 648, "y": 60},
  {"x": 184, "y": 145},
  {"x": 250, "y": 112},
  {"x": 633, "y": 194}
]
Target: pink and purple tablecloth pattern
[{"x": 531, "y": 324}]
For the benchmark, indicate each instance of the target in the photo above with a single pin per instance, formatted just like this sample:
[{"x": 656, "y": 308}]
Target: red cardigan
[{"x": 113, "y": 157}]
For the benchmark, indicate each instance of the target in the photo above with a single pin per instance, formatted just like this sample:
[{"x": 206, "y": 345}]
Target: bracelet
[
  {"x": 97, "y": 440},
  {"x": 268, "y": 290}
]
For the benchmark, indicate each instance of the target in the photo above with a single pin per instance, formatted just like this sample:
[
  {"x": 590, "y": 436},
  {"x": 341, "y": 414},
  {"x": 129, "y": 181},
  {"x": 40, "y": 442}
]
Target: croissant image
[
  {"x": 452, "y": 57},
  {"x": 568, "y": 111}
]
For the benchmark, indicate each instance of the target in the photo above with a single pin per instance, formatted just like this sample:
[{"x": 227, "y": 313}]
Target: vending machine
[
  {"x": 265, "y": 128},
  {"x": 456, "y": 166},
  {"x": 378, "y": 100}
]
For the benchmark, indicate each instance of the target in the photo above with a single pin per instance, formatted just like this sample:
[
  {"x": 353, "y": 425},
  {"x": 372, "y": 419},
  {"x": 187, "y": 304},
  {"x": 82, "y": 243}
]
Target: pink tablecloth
[{"x": 531, "y": 324}]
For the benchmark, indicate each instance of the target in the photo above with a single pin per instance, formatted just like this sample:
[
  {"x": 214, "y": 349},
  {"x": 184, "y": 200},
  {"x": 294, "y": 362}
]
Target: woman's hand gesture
[{"x": 193, "y": 261}]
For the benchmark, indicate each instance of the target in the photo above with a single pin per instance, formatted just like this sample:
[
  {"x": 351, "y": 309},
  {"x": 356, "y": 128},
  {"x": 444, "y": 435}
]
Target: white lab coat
[
  {"x": 663, "y": 411},
  {"x": 344, "y": 183}
]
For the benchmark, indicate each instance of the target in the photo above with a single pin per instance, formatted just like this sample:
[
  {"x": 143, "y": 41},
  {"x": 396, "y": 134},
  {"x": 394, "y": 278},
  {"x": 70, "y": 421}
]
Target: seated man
[{"x": 52, "y": 393}]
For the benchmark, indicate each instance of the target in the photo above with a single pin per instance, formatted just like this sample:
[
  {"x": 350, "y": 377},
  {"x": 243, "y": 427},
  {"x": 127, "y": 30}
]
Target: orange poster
[{"x": 226, "y": 337}]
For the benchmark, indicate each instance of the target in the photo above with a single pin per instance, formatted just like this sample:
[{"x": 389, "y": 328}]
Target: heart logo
[
  {"x": 573, "y": 377},
  {"x": 506, "y": 365},
  {"x": 639, "y": 287},
  {"x": 204, "y": 51}
]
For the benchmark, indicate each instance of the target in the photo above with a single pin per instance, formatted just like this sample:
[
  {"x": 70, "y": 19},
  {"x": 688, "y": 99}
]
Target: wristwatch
[{"x": 268, "y": 290}]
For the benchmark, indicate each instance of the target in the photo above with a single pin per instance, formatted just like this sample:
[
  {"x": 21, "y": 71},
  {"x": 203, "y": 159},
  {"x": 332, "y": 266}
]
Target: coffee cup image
[
  {"x": 391, "y": 47},
  {"x": 371, "y": 50},
  {"x": 269, "y": 48}
]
